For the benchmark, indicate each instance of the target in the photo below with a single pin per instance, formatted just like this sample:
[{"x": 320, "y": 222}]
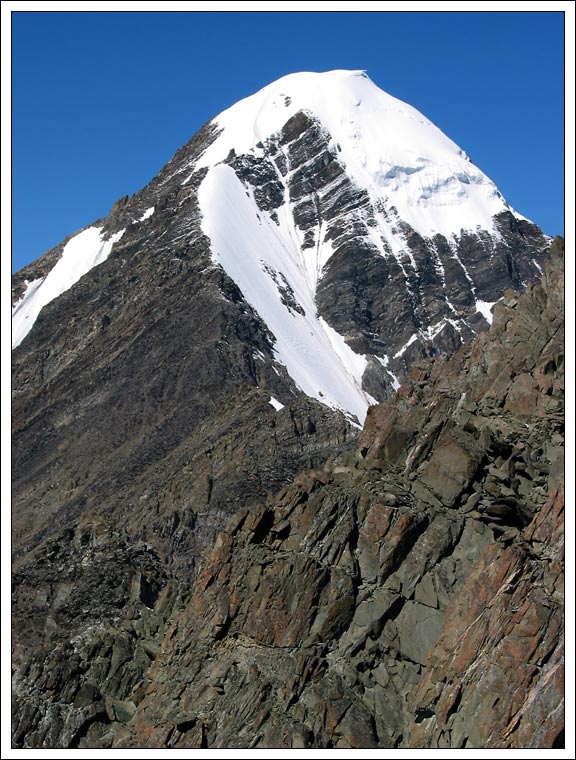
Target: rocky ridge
[{"x": 407, "y": 594}]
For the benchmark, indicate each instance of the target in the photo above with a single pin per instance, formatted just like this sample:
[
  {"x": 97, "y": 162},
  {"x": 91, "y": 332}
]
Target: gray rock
[
  {"x": 418, "y": 629},
  {"x": 425, "y": 593}
]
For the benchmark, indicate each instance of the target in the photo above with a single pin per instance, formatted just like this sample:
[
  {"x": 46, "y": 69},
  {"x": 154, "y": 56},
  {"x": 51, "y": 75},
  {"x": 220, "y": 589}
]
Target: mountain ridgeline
[{"x": 287, "y": 447}]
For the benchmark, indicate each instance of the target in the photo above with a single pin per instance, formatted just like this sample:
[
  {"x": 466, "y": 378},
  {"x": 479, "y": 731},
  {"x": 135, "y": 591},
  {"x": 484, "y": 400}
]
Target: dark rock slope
[{"x": 407, "y": 594}]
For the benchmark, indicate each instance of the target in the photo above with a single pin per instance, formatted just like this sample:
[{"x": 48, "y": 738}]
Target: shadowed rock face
[{"x": 408, "y": 594}]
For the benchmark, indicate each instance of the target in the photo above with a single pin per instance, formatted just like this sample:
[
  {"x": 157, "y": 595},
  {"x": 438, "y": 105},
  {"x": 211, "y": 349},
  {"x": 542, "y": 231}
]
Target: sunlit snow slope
[
  {"x": 85, "y": 250},
  {"x": 263, "y": 259}
]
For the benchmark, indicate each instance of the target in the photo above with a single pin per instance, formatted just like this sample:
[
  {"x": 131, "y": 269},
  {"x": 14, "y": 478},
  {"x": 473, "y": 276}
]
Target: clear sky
[{"x": 102, "y": 100}]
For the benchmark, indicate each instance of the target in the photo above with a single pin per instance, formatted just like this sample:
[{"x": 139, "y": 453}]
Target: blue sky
[{"x": 102, "y": 100}]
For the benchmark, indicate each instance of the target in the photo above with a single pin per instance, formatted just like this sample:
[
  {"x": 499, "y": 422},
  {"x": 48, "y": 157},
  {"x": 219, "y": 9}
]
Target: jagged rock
[
  {"x": 498, "y": 631},
  {"x": 425, "y": 593},
  {"x": 452, "y": 465}
]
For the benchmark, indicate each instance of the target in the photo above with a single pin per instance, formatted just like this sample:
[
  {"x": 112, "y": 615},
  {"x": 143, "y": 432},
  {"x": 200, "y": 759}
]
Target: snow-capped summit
[
  {"x": 297, "y": 167},
  {"x": 361, "y": 236},
  {"x": 386, "y": 146}
]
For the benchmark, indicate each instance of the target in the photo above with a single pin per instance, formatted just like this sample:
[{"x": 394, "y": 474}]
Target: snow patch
[
  {"x": 148, "y": 213},
  {"x": 252, "y": 250},
  {"x": 456, "y": 325},
  {"x": 434, "y": 330},
  {"x": 451, "y": 306},
  {"x": 276, "y": 404},
  {"x": 29, "y": 289},
  {"x": 85, "y": 250},
  {"x": 384, "y": 362},
  {"x": 485, "y": 308},
  {"x": 409, "y": 342}
]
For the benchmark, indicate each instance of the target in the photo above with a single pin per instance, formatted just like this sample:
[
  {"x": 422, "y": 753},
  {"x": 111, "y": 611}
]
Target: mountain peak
[
  {"x": 387, "y": 147},
  {"x": 359, "y": 233},
  {"x": 226, "y": 328},
  {"x": 295, "y": 167}
]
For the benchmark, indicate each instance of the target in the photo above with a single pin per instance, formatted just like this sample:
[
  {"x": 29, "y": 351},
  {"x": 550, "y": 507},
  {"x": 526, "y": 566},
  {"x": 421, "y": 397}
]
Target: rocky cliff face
[{"x": 407, "y": 594}]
